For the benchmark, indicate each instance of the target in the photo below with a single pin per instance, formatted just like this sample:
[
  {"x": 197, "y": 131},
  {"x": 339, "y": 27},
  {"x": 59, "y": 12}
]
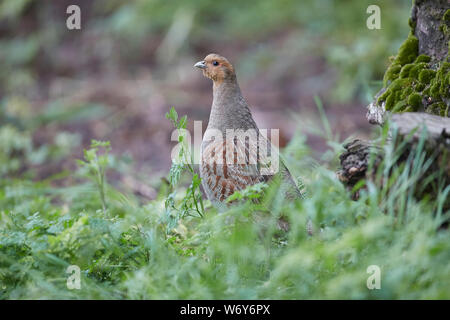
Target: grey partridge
[{"x": 234, "y": 154}]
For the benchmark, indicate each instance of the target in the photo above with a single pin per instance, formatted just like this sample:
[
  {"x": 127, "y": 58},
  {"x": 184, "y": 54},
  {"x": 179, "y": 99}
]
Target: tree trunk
[
  {"x": 415, "y": 95},
  {"x": 418, "y": 78}
]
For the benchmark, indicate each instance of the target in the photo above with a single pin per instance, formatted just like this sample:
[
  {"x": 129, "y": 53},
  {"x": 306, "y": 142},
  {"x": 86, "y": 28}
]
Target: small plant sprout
[
  {"x": 96, "y": 164},
  {"x": 192, "y": 203}
]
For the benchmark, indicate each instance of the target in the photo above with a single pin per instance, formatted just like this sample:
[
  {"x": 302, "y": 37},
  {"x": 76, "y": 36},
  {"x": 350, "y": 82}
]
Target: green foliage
[
  {"x": 252, "y": 192},
  {"x": 415, "y": 101},
  {"x": 17, "y": 149},
  {"x": 423, "y": 58},
  {"x": 446, "y": 16},
  {"x": 445, "y": 23},
  {"x": 406, "y": 54},
  {"x": 425, "y": 76},
  {"x": 96, "y": 166},
  {"x": 240, "y": 253},
  {"x": 192, "y": 203},
  {"x": 412, "y": 79},
  {"x": 174, "y": 246},
  {"x": 407, "y": 85},
  {"x": 12, "y": 144}
]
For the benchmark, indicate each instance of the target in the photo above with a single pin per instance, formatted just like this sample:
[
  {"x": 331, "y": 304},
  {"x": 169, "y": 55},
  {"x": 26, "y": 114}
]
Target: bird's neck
[{"x": 229, "y": 109}]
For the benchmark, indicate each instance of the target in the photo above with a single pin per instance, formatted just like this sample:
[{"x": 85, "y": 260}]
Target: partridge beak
[{"x": 200, "y": 65}]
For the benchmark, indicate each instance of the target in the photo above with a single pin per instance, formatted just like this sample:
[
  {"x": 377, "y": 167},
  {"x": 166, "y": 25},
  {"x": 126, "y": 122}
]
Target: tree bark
[
  {"x": 430, "y": 24},
  {"x": 427, "y": 16},
  {"x": 417, "y": 80},
  {"x": 356, "y": 160}
]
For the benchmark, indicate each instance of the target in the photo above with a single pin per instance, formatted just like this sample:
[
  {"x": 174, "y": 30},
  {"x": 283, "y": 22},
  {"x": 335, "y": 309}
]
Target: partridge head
[{"x": 216, "y": 68}]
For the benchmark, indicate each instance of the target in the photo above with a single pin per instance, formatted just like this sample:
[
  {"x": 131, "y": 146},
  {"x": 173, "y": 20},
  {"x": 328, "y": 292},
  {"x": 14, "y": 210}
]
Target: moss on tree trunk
[
  {"x": 417, "y": 81},
  {"x": 418, "y": 78}
]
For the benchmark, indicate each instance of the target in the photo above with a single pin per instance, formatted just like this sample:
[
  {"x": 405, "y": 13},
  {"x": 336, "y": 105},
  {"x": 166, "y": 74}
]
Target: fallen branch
[{"x": 356, "y": 160}]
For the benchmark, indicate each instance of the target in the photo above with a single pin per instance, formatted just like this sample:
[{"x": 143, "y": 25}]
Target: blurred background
[{"x": 132, "y": 60}]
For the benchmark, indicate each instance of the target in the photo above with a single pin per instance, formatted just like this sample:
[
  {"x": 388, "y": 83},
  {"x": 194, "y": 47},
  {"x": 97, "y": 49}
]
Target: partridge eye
[{"x": 215, "y": 63}]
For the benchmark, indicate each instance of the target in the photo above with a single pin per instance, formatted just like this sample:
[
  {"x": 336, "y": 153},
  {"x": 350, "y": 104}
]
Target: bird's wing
[
  {"x": 229, "y": 166},
  {"x": 269, "y": 163}
]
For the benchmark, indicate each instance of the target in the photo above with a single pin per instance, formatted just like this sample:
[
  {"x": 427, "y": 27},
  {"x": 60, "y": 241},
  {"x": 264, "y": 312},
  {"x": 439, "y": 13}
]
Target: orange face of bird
[{"x": 216, "y": 68}]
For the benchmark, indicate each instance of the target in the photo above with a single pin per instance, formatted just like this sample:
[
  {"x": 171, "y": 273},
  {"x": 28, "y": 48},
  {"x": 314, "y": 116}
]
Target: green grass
[{"x": 130, "y": 249}]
